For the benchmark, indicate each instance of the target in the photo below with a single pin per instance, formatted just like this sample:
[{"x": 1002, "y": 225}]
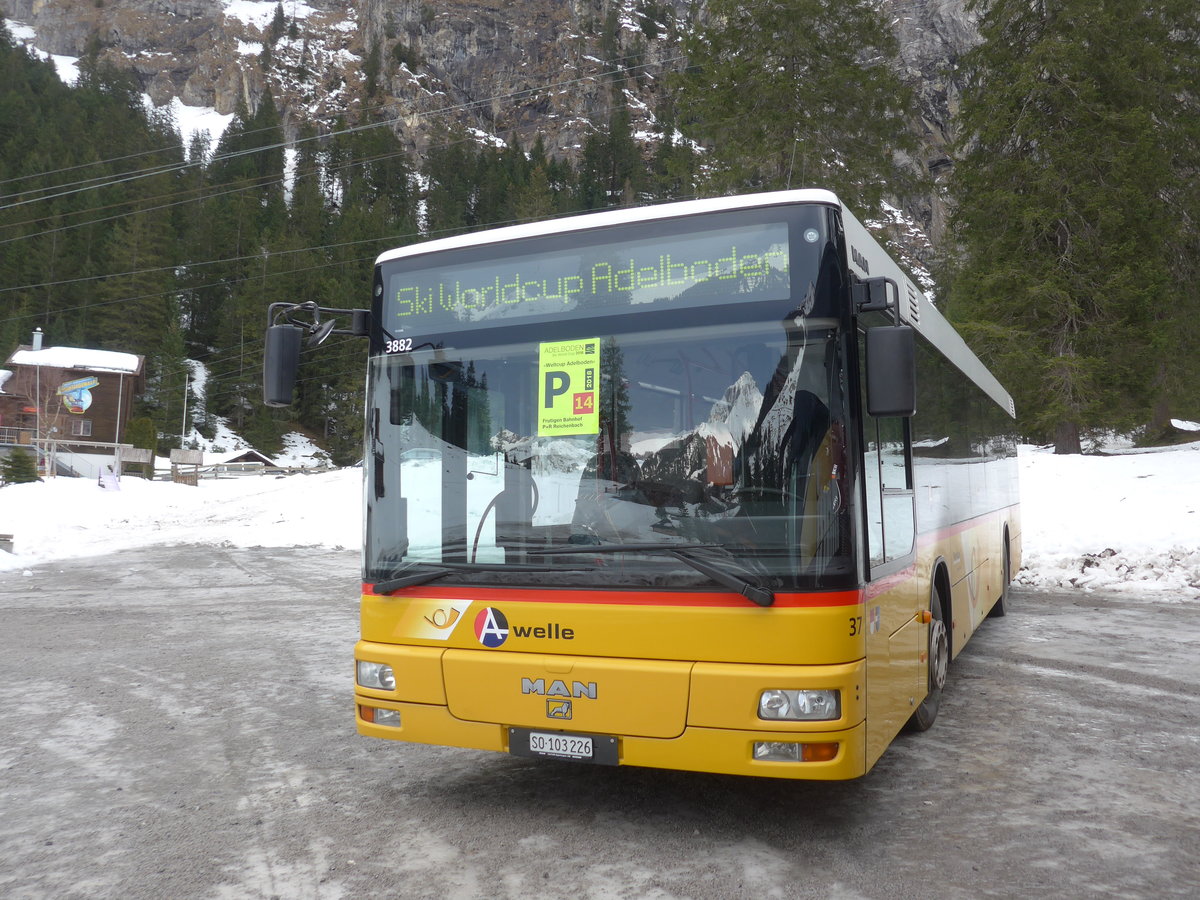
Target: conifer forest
[{"x": 1071, "y": 262}]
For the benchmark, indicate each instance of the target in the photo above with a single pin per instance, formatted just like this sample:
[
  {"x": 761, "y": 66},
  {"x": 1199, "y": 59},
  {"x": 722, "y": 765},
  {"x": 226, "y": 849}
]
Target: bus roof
[{"x": 610, "y": 218}]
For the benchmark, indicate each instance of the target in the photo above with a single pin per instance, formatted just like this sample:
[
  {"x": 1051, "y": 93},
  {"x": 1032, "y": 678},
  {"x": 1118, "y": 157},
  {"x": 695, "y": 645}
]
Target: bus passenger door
[{"x": 894, "y": 633}]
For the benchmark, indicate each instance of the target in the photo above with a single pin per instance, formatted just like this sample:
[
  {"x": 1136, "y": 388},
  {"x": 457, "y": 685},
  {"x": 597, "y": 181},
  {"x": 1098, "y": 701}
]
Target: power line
[
  {"x": 263, "y": 182},
  {"x": 616, "y": 61},
  {"x": 116, "y": 159},
  {"x": 124, "y": 178},
  {"x": 211, "y": 262},
  {"x": 263, "y": 276},
  {"x": 406, "y": 237},
  {"x": 267, "y": 181},
  {"x": 184, "y": 288}
]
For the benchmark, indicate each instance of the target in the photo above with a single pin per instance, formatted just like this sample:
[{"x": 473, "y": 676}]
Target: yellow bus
[{"x": 706, "y": 486}]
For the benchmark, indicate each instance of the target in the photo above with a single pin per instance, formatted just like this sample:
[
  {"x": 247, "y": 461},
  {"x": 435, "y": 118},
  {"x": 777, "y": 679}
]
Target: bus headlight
[
  {"x": 376, "y": 675},
  {"x": 800, "y": 706}
]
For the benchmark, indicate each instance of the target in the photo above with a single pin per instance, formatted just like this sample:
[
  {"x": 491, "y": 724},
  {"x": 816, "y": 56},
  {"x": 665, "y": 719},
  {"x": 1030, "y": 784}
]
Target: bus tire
[
  {"x": 1000, "y": 607},
  {"x": 939, "y": 663}
]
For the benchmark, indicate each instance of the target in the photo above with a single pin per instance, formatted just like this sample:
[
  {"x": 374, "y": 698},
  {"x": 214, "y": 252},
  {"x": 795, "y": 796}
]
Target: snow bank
[
  {"x": 1129, "y": 522},
  {"x": 65, "y": 518}
]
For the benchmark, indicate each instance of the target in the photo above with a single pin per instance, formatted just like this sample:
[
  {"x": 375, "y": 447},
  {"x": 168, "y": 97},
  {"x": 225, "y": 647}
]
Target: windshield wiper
[
  {"x": 394, "y": 584},
  {"x": 440, "y": 570},
  {"x": 735, "y": 582}
]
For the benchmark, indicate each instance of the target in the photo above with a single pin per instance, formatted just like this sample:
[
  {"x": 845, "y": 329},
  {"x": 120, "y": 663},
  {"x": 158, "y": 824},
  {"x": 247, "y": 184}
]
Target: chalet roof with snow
[{"x": 78, "y": 358}]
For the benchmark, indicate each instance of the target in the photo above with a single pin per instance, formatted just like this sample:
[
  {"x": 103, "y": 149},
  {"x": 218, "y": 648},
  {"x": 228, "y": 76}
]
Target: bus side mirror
[
  {"x": 281, "y": 362},
  {"x": 891, "y": 371}
]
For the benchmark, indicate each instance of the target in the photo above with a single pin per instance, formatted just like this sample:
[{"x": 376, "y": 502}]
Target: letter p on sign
[{"x": 557, "y": 384}]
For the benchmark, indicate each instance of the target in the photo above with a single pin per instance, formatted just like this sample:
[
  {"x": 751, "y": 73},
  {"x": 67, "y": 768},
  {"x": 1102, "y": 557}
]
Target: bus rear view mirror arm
[
  {"x": 287, "y": 325},
  {"x": 872, "y": 295}
]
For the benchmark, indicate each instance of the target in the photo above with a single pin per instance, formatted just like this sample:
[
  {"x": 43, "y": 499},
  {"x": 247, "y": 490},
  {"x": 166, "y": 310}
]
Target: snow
[
  {"x": 1129, "y": 522},
  {"x": 191, "y": 120},
  {"x": 65, "y": 518},
  {"x": 260, "y": 14},
  {"x": 77, "y": 358},
  {"x": 489, "y": 140},
  {"x": 67, "y": 67}
]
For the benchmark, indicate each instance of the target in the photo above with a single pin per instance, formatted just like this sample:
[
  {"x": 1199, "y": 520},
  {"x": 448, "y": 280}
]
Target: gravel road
[{"x": 177, "y": 723}]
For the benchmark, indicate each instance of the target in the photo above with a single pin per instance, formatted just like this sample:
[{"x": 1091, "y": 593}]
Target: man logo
[
  {"x": 491, "y": 627},
  {"x": 557, "y": 688},
  {"x": 558, "y": 709}
]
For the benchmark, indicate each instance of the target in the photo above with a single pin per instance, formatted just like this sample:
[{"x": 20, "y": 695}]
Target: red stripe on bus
[
  {"x": 627, "y": 598},
  {"x": 888, "y": 582},
  {"x": 931, "y": 537}
]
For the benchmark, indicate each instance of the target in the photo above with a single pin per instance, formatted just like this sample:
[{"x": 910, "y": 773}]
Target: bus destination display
[{"x": 698, "y": 269}]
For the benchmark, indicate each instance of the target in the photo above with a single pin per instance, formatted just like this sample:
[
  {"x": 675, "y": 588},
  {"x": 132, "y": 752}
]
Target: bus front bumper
[{"x": 842, "y": 753}]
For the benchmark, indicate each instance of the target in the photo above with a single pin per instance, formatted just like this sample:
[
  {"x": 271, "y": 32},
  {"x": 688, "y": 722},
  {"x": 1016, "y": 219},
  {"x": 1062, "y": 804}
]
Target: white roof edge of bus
[
  {"x": 928, "y": 319},
  {"x": 611, "y": 217}
]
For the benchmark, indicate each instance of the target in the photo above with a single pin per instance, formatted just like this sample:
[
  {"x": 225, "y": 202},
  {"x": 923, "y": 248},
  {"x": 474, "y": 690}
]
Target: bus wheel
[
  {"x": 1000, "y": 607},
  {"x": 939, "y": 662}
]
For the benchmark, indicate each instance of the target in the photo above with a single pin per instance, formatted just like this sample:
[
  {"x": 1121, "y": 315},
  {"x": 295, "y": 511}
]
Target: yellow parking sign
[{"x": 569, "y": 387}]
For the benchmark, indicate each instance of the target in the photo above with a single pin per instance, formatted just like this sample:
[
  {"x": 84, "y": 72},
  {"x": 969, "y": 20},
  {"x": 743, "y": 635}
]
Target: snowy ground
[
  {"x": 1130, "y": 521},
  {"x": 1127, "y": 522}
]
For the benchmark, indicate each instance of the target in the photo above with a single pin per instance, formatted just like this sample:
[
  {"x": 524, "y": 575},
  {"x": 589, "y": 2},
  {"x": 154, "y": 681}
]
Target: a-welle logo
[{"x": 492, "y": 629}]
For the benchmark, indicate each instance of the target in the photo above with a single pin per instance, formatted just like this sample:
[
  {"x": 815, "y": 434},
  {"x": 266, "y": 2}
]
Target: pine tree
[
  {"x": 18, "y": 467},
  {"x": 1075, "y": 203},
  {"x": 278, "y": 24},
  {"x": 798, "y": 94},
  {"x": 142, "y": 434},
  {"x": 534, "y": 200},
  {"x": 451, "y": 195},
  {"x": 673, "y": 169},
  {"x": 611, "y": 172}
]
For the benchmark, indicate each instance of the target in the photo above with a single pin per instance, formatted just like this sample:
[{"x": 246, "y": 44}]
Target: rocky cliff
[{"x": 500, "y": 67}]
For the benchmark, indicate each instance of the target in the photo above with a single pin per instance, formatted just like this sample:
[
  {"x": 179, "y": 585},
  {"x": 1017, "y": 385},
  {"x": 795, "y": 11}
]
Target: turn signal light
[
  {"x": 792, "y": 751},
  {"x": 376, "y": 716}
]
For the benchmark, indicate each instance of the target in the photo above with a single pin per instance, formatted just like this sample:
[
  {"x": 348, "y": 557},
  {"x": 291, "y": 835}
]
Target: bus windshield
[{"x": 724, "y": 441}]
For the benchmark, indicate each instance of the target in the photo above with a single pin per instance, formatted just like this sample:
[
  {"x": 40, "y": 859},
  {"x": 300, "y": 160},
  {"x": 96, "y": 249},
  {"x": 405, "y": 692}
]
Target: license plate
[
  {"x": 590, "y": 748},
  {"x": 567, "y": 745}
]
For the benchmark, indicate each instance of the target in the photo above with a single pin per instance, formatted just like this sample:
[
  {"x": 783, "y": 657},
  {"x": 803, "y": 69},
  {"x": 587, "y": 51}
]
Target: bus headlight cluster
[
  {"x": 376, "y": 675},
  {"x": 794, "y": 751},
  {"x": 800, "y": 706}
]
